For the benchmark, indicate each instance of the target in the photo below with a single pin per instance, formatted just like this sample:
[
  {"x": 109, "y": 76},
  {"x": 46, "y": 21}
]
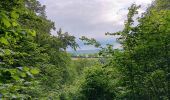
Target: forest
[{"x": 35, "y": 65}]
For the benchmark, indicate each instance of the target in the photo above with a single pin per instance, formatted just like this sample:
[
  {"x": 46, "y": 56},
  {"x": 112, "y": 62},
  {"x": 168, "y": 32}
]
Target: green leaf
[
  {"x": 13, "y": 71},
  {"x": 4, "y": 41},
  {"x": 34, "y": 71},
  {"x": 25, "y": 69},
  {"x": 23, "y": 75},
  {"x": 6, "y": 22},
  {"x": 16, "y": 77},
  {"x": 14, "y": 24},
  {"x": 7, "y": 52},
  {"x": 14, "y": 15},
  {"x": 33, "y": 33},
  {"x": 1, "y": 53}
]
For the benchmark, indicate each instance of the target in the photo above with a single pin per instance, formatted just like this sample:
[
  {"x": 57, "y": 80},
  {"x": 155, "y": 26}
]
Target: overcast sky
[{"x": 90, "y": 18}]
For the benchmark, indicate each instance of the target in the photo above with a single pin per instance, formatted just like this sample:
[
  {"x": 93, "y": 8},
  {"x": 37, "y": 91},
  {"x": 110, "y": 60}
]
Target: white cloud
[{"x": 90, "y": 17}]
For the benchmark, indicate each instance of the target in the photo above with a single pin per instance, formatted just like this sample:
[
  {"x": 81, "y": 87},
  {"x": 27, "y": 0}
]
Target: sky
[{"x": 91, "y": 18}]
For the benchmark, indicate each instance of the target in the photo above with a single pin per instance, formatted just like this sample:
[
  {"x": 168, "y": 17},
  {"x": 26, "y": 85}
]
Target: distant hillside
[{"x": 84, "y": 52}]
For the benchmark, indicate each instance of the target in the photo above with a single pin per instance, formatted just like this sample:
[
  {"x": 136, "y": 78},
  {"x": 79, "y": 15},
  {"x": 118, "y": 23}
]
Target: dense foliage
[
  {"x": 142, "y": 65},
  {"x": 35, "y": 65}
]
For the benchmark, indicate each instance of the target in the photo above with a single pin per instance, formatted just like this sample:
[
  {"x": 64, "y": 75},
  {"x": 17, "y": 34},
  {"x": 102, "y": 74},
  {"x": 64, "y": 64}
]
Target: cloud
[{"x": 91, "y": 18}]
